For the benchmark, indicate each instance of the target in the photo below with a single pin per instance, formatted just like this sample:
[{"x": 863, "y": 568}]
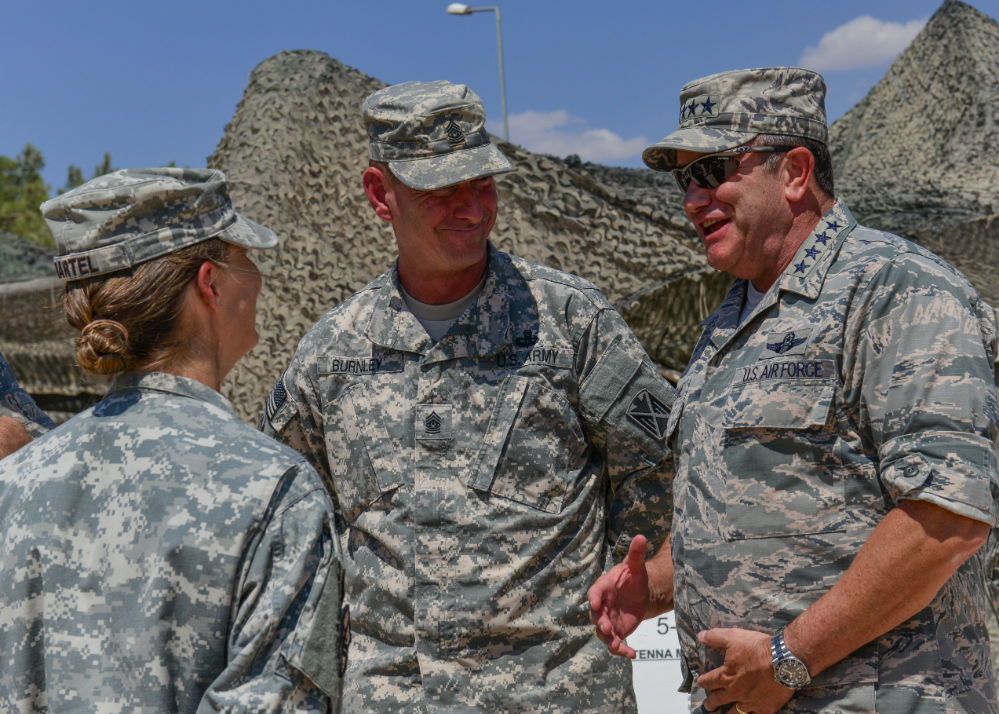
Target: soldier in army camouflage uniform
[
  {"x": 20, "y": 418},
  {"x": 157, "y": 554},
  {"x": 493, "y": 432},
  {"x": 836, "y": 472}
]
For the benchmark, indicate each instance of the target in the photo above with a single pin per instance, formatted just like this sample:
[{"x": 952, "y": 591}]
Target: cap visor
[
  {"x": 661, "y": 156},
  {"x": 436, "y": 172},
  {"x": 249, "y": 234}
]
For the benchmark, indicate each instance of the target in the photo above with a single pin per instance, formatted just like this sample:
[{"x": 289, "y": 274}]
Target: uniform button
[{"x": 911, "y": 471}]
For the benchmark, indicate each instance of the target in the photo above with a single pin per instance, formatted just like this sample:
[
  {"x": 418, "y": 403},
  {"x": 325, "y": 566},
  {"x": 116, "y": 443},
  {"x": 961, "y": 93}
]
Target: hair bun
[{"x": 102, "y": 347}]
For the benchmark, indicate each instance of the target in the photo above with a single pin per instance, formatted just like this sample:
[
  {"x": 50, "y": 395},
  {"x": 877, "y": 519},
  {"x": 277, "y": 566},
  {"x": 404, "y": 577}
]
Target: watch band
[{"x": 789, "y": 671}]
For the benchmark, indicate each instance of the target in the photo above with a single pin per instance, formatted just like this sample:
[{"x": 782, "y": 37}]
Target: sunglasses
[{"x": 712, "y": 170}]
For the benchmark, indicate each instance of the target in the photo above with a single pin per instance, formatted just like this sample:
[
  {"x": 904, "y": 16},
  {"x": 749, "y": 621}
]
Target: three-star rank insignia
[
  {"x": 455, "y": 135},
  {"x": 432, "y": 423},
  {"x": 649, "y": 413}
]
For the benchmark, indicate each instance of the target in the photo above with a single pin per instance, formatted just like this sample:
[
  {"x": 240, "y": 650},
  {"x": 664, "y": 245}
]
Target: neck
[
  {"x": 440, "y": 288},
  {"x": 805, "y": 215}
]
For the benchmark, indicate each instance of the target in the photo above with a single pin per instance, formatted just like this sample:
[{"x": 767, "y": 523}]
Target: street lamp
[{"x": 457, "y": 8}]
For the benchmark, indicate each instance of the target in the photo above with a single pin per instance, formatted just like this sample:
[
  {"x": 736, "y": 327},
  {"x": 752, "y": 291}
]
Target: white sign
[{"x": 657, "y": 667}]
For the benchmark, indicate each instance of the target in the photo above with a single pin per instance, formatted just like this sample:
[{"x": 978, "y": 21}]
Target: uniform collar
[
  {"x": 803, "y": 276},
  {"x": 171, "y": 384},
  {"x": 482, "y": 330},
  {"x": 808, "y": 269}
]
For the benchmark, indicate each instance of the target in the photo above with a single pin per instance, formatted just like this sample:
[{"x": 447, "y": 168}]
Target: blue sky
[{"x": 154, "y": 82}]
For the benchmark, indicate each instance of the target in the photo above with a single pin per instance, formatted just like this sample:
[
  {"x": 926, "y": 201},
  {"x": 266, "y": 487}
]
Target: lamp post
[{"x": 457, "y": 8}]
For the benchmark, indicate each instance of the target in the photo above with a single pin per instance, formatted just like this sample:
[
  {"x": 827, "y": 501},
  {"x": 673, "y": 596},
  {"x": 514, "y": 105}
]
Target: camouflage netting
[
  {"x": 919, "y": 151},
  {"x": 294, "y": 154}
]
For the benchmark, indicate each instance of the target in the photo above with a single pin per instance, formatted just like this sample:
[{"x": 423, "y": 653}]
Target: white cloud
[
  {"x": 559, "y": 133},
  {"x": 862, "y": 42}
]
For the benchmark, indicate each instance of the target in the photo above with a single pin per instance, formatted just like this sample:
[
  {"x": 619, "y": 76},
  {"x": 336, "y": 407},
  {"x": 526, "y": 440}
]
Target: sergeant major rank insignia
[
  {"x": 649, "y": 413},
  {"x": 454, "y": 133},
  {"x": 432, "y": 423}
]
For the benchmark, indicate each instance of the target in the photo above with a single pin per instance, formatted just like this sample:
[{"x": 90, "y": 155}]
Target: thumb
[
  {"x": 636, "y": 553},
  {"x": 717, "y": 638}
]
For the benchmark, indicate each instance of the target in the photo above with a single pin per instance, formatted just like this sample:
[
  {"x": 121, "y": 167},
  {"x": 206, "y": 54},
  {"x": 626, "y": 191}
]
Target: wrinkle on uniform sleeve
[
  {"x": 289, "y": 590},
  {"x": 625, "y": 404},
  {"x": 922, "y": 387}
]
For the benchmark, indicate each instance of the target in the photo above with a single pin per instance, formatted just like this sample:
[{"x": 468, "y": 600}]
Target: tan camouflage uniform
[
  {"x": 484, "y": 483},
  {"x": 158, "y": 555},
  {"x": 862, "y": 378},
  {"x": 18, "y": 404}
]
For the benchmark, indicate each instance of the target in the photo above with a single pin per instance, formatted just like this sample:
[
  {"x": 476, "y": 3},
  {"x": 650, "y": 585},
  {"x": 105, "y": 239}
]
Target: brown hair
[{"x": 128, "y": 319}]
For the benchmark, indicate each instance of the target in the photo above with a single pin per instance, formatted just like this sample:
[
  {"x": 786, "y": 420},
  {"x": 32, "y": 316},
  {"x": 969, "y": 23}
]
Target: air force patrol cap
[
  {"x": 431, "y": 134},
  {"x": 127, "y": 217},
  {"x": 726, "y": 110}
]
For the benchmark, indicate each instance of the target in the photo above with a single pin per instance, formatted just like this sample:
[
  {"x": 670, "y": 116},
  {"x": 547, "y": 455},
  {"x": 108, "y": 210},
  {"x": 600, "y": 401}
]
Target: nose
[
  {"x": 466, "y": 203},
  {"x": 694, "y": 199}
]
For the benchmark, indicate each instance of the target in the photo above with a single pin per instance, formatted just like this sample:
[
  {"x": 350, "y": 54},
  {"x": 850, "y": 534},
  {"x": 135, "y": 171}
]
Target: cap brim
[
  {"x": 661, "y": 156},
  {"x": 248, "y": 234},
  {"x": 428, "y": 174}
]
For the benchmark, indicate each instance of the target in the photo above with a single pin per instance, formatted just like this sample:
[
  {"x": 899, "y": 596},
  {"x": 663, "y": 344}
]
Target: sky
[{"x": 156, "y": 82}]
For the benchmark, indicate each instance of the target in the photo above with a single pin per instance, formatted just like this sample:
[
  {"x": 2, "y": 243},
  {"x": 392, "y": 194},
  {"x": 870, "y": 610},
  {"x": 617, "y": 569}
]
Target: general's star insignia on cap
[{"x": 649, "y": 413}]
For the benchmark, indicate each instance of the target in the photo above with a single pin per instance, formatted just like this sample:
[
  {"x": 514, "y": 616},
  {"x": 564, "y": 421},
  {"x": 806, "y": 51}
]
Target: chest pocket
[
  {"x": 779, "y": 451},
  {"x": 533, "y": 439},
  {"x": 363, "y": 458}
]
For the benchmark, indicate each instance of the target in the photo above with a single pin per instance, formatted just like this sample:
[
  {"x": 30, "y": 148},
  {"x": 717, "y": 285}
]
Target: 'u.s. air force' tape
[{"x": 786, "y": 371}]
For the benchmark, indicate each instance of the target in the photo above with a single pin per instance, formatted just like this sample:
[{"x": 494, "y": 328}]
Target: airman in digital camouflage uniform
[
  {"x": 833, "y": 432},
  {"x": 492, "y": 430},
  {"x": 20, "y": 418},
  {"x": 157, "y": 554}
]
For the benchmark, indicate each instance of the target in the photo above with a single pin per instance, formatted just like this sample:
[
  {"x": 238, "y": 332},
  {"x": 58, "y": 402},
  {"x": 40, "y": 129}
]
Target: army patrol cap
[
  {"x": 131, "y": 216},
  {"x": 431, "y": 134},
  {"x": 726, "y": 110}
]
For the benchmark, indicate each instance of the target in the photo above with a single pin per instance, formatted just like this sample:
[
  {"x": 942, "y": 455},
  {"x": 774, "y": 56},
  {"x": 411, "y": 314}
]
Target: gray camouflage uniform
[
  {"x": 864, "y": 377},
  {"x": 484, "y": 483},
  {"x": 158, "y": 555},
  {"x": 18, "y": 404}
]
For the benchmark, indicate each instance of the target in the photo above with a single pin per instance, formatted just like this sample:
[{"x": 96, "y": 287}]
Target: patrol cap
[
  {"x": 431, "y": 134},
  {"x": 726, "y": 110},
  {"x": 130, "y": 216}
]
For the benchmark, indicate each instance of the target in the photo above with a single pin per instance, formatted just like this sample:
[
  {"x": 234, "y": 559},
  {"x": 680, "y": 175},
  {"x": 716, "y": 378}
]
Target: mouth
[{"x": 712, "y": 226}]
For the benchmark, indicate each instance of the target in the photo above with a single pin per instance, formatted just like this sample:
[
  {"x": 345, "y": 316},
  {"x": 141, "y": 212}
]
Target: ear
[
  {"x": 799, "y": 165},
  {"x": 206, "y": 285},
  {"x": 376, "y": 188}
]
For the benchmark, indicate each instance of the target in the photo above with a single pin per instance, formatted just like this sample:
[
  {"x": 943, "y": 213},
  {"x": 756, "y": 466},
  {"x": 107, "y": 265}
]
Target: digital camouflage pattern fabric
[
  {"x": 484, "y": 482},
  {"x": 862, "y": 378},
  {"x": 130, "y": 216},
  {"x": 728, "y": 109},
  {"x": 432, "y": 134},
  {"x": 158, "y": 555},
  {"x": 18, "y": 404}
]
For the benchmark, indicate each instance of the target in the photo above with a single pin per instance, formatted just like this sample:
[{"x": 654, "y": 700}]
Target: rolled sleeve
[{"x": 925, "y": 383}]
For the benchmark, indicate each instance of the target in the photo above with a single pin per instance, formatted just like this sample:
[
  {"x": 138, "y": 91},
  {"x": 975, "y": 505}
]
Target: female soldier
[{"x": 157, "y": 554}]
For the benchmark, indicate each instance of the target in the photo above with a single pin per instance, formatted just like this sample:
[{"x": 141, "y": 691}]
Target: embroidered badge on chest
[
  {"x": 433, "y": 422},
  {"x": 649, "y": 413},
  {"x": 792, "y": 342}
]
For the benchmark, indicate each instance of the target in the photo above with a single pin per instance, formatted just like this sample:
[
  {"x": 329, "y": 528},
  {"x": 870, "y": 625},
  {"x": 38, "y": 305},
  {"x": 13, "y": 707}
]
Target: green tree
[
  {"x": 74, "y": 178},
  {"x": 104, "y": 167},
  {"x": 22, "y": 190}
]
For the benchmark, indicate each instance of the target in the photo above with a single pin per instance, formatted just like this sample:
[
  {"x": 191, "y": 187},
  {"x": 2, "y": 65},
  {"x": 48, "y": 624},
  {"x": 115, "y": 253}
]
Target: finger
[
  {"x": 718, "y": 698},
  {"x": 715, "y": 679},
  {"x": 717, "y": 639},
  {"x": 636, "y": 552},
  {"x": 621, "y": 649}
]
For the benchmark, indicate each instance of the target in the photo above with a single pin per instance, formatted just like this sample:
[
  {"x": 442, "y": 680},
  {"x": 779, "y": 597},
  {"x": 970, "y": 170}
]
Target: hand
[
  {"x": 619, "y": 598},
  {"x": 747, "y": 676}
]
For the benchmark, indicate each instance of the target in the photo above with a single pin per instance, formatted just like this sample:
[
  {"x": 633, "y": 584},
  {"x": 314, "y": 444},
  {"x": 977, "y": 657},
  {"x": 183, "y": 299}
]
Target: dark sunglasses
[{"x": 712, "y": 170}]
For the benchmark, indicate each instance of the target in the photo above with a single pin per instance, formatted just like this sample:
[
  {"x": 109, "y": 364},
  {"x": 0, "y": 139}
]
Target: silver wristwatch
[{"x": 788, "y": 669}]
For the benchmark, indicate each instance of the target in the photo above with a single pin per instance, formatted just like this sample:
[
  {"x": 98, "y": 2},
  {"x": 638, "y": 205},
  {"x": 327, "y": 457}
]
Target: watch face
[{"x": 792, "y": 673}]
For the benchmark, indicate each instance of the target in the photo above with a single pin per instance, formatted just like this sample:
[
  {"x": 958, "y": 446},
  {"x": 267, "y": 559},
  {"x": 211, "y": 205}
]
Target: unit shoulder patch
[{"x": 650, "y": 413}]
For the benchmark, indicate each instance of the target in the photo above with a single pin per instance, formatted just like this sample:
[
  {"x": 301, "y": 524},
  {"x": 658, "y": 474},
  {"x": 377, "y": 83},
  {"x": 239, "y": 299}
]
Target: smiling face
[
  {"x": 441, "y": 234},
  {"x": 743, "y": 221}
]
